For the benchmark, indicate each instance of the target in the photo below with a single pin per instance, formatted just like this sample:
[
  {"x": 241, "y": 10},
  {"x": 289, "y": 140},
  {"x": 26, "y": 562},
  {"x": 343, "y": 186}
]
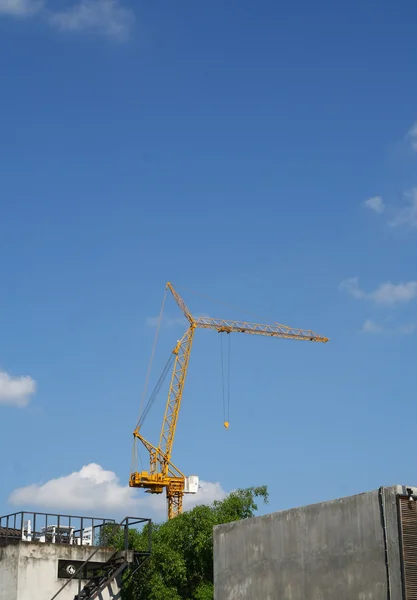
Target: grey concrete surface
[
  {"x": 30, "y": 571},
  {"x": 329, "y": 551}
]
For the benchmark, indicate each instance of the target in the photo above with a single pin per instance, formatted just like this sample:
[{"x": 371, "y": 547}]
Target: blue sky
[{"x": 262, "y": 154}]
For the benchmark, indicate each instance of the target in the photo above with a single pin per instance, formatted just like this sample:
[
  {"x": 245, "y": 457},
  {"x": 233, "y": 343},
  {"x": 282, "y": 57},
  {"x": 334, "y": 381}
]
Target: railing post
[
  {"x": 22, "y": 527},
  {"x": 126, "y": 536},
  {"x": 149, "y": 535}
]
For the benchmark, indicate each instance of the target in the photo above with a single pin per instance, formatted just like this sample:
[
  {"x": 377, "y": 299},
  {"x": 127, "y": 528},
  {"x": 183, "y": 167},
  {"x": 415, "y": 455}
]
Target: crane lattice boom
[{"x": 271, "y": 330}]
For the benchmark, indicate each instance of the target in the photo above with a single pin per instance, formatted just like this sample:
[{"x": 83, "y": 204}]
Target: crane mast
[
  {"x": 162, "y": 473},
  {"x": 182, "y": 357}
]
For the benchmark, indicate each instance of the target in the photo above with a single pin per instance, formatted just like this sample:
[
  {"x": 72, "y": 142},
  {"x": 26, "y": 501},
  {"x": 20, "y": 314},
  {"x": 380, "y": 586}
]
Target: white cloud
[
  {"x": 16, "y": 391},
  {"x": 389, "y": 293},
  {"x": 107, "y": 17},
  {"x": 95, "y": 490},
  {"x": 408, "y": 215},
  {"x": 385, "y": 293},
  {"x": 412, "y": 136},
  {"x": 20, "y": 8},
  {"x": 92, "y": 488},
  {"x": 208, "y": 492},
  {"x": 376, "y": 204},
  {"x": 371, "y": 327}
]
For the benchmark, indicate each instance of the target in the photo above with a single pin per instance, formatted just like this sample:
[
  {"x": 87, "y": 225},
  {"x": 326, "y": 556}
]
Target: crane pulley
[{"x": 163, "y": 474}]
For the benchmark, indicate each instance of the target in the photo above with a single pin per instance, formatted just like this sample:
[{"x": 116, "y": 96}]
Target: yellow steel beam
[
  {"x": 169, "y": 425},
  {"x": 270, "y": 330}
]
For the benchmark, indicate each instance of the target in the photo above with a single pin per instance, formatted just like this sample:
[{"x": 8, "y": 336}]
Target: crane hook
[{"x": 226, "y": 424}]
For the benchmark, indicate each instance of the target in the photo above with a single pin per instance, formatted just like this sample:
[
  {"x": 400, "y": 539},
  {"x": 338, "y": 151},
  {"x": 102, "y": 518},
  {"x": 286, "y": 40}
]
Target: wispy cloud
[
  {"x": 411, "y": 136},
  {"x": 386, "y": 293},
  {"x": 371, "y": 327},
  {"x": 20, "y": 8},
  {"x": 95, "y": 489},
  {"x": 376, "y": 204},
  {"x": 375, "y": 328},
  {"x": 105, "y": 17},
  {"x": 351, "y": 286},
  {"x": 16, "y": 391},
  {"x": 390, "y": 293},
  {"x": 407, "y": 216},
  {"x": 407, "y": 329}
]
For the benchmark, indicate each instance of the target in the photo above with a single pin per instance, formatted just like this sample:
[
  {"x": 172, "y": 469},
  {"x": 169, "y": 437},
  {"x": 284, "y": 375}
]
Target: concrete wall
[
  {"x": 30, "y": 571},
  {"x": 327, "y": 551},
  {"x": 9, "y": 560}
]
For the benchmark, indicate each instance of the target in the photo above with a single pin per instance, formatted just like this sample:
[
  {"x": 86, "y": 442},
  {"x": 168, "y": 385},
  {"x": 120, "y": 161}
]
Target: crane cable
[
  {"x": 135, "y": 449},
  {"x": 228, "y": 381},
  {"x": 225, "y": 396},
  {"x": 148, "y": 374},
  {"x": 155, "y": 392}
]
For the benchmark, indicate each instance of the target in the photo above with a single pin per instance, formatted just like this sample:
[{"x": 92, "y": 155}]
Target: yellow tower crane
[{"x": 162, "y": 472}]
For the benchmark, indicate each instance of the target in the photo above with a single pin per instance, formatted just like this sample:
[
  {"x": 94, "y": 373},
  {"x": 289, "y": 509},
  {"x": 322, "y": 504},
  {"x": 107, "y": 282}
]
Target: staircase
[
  {"x": 103, "y": 574},
  {"x": 109, "y": 571}
]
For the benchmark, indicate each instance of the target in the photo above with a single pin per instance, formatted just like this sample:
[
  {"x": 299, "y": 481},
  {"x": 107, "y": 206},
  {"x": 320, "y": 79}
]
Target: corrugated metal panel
[
  {"x": 9, "y": 536},
  {"x": 10, "y": 533},
  {"x": 408, "y": 521}
]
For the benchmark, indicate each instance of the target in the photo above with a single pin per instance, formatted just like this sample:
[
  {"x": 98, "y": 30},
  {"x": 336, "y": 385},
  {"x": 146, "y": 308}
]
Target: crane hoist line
[{"x": 163, "y": 474}]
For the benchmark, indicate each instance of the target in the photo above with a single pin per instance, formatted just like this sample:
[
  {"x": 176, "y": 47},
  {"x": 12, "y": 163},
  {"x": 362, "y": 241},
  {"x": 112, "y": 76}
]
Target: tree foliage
[{"x": 181, "y": 564}]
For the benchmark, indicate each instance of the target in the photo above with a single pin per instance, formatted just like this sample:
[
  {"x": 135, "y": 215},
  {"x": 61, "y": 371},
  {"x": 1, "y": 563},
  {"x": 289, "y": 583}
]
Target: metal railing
[{"x": 53, "y": 528}]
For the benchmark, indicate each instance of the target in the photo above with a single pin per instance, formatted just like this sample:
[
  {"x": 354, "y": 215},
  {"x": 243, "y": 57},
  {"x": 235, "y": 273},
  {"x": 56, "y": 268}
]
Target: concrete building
[
  {"x": 31, "y": 571},
  {"x": 362, "y": 547},
  {"x": 64, "y": 557}
]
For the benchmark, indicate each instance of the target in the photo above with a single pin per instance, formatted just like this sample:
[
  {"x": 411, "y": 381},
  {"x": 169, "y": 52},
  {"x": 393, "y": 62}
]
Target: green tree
[{"x": 181, "y": 564}]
